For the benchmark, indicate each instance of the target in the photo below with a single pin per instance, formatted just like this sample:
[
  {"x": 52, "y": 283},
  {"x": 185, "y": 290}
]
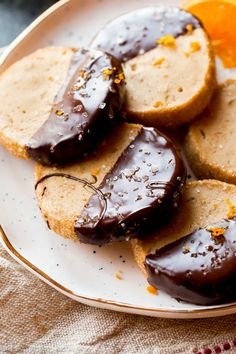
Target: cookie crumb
[
  {"x": 186, "y": 249},
  {"x": 158, "y": 104},
  {"x": 118, "y": 276}
]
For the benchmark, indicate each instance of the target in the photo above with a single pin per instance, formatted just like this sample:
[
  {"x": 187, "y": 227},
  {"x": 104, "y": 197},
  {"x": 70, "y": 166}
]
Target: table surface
[{"x": 15, "y": 15}]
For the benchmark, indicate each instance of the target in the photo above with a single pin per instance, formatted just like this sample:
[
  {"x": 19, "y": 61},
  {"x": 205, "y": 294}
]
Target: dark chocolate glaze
[
  {"x": 137, "y": 32},
  {"x": 86, "y": 109},
  {"x": 142, "y": 190},
  {"x": 199, "y": 268}
]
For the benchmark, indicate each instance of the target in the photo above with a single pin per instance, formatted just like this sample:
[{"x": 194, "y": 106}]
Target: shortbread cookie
[
  {"x": 61, "y": 200},
  {"x": 203, "y": 203},
  {"x": 85, "y": 111},
  {"x": 168, "y": 64},
  {"x": 129, "y": 186},
  {"x": 67, "y": 101},
  {"x": 27, "y": 92},
  {"x": 199, "y": 268},
  {"x": 210, "y": 142}
]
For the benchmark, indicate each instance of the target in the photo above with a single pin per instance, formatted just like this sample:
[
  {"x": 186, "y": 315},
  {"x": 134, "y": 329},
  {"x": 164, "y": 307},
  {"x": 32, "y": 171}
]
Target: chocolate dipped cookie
[
  {"x": 199, "y": 268},
  {"x": 73, "y": 110},
  {"x": 27, "y": 92},
  {"x": 193, "y": 256},
  {"x": 131, "y": 185},
  {"x": 168, "y": 64}
]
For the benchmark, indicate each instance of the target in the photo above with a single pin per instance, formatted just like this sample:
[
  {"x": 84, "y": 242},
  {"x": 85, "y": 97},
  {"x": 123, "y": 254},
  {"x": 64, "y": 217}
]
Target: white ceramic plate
[{"x": 82, "y": 272}]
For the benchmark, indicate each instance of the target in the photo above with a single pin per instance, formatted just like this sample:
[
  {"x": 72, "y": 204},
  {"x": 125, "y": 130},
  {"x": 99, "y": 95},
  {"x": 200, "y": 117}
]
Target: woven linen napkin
[{"x": 34, "y": 318}]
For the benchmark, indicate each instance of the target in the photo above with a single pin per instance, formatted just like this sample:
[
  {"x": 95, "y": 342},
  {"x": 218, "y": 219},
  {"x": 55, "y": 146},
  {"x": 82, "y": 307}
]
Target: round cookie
[
  {"x": 61, "y": 200},
  {"x": 199, "y": 268},
  {"x": 210, "y": 142},
  {"x": 203, "y": 203},
  {"x": 84, "y": 111},
  {"x": 168, "y": 63},
  {"x": 129, "y": 186},
  {"x": 27, "y": 92},
  {"x": 60, "y": 123}
]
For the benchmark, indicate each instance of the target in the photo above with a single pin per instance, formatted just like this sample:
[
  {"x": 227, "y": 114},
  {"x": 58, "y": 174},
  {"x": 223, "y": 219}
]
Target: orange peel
[{"x": 219, "y": 20}]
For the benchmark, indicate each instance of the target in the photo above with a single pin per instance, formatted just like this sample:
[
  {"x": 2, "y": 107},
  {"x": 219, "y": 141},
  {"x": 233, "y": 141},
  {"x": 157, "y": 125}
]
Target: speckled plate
[{"x": 82, "y": 272}]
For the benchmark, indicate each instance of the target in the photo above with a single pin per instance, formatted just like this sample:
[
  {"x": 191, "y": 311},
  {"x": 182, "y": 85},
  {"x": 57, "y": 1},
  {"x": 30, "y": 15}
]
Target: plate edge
[
  {"x": 119, "y": 306},
  {"x": 29, "y": 28}
]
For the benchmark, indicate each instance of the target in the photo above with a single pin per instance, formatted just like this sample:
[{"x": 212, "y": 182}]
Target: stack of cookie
[{"x": 90, "y": 118}]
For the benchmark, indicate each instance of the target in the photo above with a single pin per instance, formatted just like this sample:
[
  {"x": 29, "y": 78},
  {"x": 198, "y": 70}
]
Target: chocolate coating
[
  {"x": 140, "y": 192},
  {"x": 86, "y": 109},
  {"x": 137, "y": 32},
  {"x": 199, "y": 268}
]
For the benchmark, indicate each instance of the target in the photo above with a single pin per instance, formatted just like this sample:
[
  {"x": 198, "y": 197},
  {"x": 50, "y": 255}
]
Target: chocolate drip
[
  {"x": 199, "y": 268},
  {"x": 142, "y": 191},
  {"x": 99, "y": 193},
  {"x": 88, "y": 107},
  {"x": 137, "y": 32}
]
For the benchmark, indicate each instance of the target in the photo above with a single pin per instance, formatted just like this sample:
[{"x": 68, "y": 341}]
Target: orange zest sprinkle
[
  {"x": 216, "y": 231},
  {"x": 95, "y": 171},
  {"x": 168, "y": 40},
  {"x": 189, "y": 28},
  {"x": 195, "y": 46},
  {"x": 158, "y": 104},
  {"x": 81, "y": 73},
  {"x": 152, "y": 290},
  {"x": 232, "y": 209},
  {"x": 59, "y": 112},
  {"x": 107, "y": 73},
  {"x": 216, "y": 206},
  {"x": 118, "y": 276},
  {"x": 120, "y": 77},
  {"x": 157, "y": 62}
]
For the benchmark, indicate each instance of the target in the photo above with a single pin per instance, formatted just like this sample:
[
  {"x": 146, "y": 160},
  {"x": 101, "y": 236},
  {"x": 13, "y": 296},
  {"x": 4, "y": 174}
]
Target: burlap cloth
[{"x": 34, "y": 318}]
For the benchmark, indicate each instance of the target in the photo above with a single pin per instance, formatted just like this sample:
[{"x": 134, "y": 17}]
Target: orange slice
[{"x": 219, "y": 20}]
